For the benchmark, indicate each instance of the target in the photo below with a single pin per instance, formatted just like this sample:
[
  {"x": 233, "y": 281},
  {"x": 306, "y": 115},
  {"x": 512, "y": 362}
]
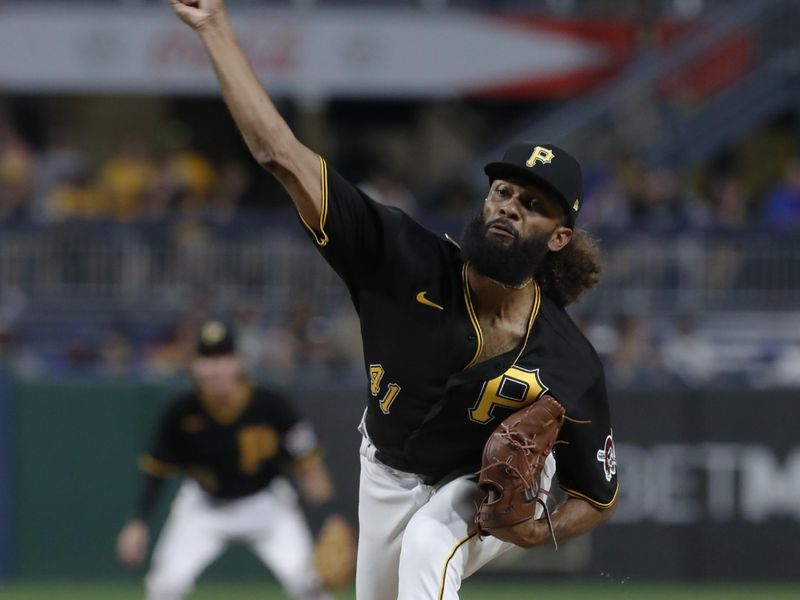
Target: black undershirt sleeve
[
  {"x": 160, "y": 463},
  {"x": 165, "y": 447},
  {"x": 149, "y": 493}
]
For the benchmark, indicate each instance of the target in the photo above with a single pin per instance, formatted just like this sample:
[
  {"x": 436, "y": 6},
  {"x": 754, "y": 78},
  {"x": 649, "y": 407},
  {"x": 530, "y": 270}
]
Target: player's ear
[{"x": 560, "y": 237}]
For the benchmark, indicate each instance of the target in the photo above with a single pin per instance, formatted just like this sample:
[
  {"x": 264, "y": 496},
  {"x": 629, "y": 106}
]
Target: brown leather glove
[
  {"x": 513, "y": 459},
  {"x": 335, "y": 553}
]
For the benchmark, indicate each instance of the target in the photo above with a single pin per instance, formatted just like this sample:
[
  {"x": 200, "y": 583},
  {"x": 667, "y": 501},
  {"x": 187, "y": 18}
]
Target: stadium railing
[{"x": 90, "y": 268}]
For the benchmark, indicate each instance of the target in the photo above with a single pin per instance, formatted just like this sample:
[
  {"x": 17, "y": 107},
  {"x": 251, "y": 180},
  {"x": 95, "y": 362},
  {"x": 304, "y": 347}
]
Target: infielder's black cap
[
  {"x": 546, "y": 165},
  {"x": 216, "y": 339}
]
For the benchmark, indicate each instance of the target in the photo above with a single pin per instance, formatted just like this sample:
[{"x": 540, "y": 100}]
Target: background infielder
[
  {"x": 234, "y": 442},
  {"x": 454, "y": 340}
]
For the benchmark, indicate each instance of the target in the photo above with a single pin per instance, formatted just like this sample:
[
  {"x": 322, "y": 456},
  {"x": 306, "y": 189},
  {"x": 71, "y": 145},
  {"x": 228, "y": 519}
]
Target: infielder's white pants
[
  {"x": 199, "y": 529},
  {"x": 416, "y": 541}
]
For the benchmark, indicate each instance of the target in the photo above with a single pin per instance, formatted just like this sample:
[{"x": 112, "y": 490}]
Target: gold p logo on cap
[
  {"x": 212, "y": 333},
  {"x": 540, "y": 153}
]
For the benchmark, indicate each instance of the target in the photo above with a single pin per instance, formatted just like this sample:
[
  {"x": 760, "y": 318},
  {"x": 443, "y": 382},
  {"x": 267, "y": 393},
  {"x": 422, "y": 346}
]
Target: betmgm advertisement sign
[{"x": 709, "y": 486}]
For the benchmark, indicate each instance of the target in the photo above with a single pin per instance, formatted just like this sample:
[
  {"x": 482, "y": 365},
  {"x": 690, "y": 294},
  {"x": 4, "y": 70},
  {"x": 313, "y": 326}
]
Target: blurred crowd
[
  {"x": 625, "y": 195},
  {"x": 302, "y": 345},
  {"x": 684, "y": 351},
  {"x": 305, "y": 346},
  {"x": 59, "y": 182},
  {"x": 139, "y": 183}
]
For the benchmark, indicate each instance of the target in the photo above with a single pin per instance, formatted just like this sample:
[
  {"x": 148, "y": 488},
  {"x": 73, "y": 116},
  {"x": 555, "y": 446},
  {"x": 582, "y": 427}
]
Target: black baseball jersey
[
  {"x": 430, "y": 408},
  {"x": 230, "y": 455}
]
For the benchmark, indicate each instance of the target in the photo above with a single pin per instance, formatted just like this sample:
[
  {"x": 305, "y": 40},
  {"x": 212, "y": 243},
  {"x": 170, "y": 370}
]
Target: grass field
[{"x": 471, "y": 591}]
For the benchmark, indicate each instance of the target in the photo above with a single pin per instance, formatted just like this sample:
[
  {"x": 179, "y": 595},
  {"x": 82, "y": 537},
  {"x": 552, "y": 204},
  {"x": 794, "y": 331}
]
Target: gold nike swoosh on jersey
[{"x": 423, "y": 300}]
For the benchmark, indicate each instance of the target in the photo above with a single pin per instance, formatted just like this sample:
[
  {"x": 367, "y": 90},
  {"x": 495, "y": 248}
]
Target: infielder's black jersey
[
  {"x": 230, "y": 455},
  {"x": 430, "y": 407}
]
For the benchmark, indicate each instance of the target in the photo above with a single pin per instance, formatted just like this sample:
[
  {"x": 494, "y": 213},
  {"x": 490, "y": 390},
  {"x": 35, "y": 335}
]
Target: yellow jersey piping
[
  {"x": 472, "y": 316},
  {"x": 156, "y": 468},
  {"x": 591, "y": 501},
  {"x": 320, "y": 236},
  {"x": 449, "y": 558}
]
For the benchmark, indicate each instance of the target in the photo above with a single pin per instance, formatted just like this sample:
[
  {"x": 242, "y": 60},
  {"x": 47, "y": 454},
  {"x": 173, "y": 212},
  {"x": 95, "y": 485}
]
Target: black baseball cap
[
  {"x": 546, "y": 165},
  {"x": 215, "y": 339}
]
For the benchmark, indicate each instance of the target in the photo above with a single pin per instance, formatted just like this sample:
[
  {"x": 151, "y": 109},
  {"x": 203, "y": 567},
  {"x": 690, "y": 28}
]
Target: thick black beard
[{"x": 510, "y": 265}]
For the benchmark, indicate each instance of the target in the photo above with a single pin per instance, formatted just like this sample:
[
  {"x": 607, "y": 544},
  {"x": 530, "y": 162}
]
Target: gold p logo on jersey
[
  {"x": 540, "y": 153},
  {"x": 514, "y": 389}
]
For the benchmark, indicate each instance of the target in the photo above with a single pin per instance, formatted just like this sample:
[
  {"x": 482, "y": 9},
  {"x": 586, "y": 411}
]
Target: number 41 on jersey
[{"x": 375, "y": 376}]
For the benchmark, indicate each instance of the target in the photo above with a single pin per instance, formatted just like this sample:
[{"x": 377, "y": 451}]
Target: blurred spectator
[
  {"x": 663, "y": 204},
  {"x": 629, "y": 174},
  {"x": 17, "y": 174},
  {"x": 601, "y": 334},
  {"x": 785, "y": 370},
  {"x": 689, "y": 357},
  {"x": 457, "y": 199},
  {"x": 232, "y": 186},
  {"x": 74, "y": 197},
  {"x": 117, "y": 354},
  {"x": 250, "y": 333},
  {"x": 634, "y": 361},
  {"x": 184, "y": 185},
  {"x": 80, "y": 352},
  {"x": 281, "y": 361},
  {"x": 782, "y": 203},
  {"x": 22, "y": 360},
  {"x": 171, "y": 355},
  {"x": 304, "y": 325},
  {"x": 607, "y": 203},
  {"x": 343, "y": 348},
  {"x": 128, "y": 181},
  {"x": 63, "y": 186},
  {"x": 729, "y": 202},
  {"x": 192, "y": 261},
  {"x": 293, "y": 346},
  {"x": 386, "y": 190},
  {"x": 724, "y": 260}
]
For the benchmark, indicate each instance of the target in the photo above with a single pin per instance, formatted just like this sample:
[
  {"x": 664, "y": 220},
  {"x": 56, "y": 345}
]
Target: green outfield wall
[
  {"x": 74, "y": 449},
  {"x": 709, "y": 482}
]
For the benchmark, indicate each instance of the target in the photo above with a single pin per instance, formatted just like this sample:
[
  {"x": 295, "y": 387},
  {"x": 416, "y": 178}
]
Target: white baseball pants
[
  {"x": 416, "y": 541},
  {"x": 199, "y": 529}
]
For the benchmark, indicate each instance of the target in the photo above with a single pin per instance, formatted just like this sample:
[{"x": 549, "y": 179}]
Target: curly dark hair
[{"x": 564, "y": 276}]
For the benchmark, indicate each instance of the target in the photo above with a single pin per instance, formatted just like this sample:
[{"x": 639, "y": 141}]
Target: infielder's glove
[
  {"x": 513, "y": 459},
  {"x": 335, "y": 553}
]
